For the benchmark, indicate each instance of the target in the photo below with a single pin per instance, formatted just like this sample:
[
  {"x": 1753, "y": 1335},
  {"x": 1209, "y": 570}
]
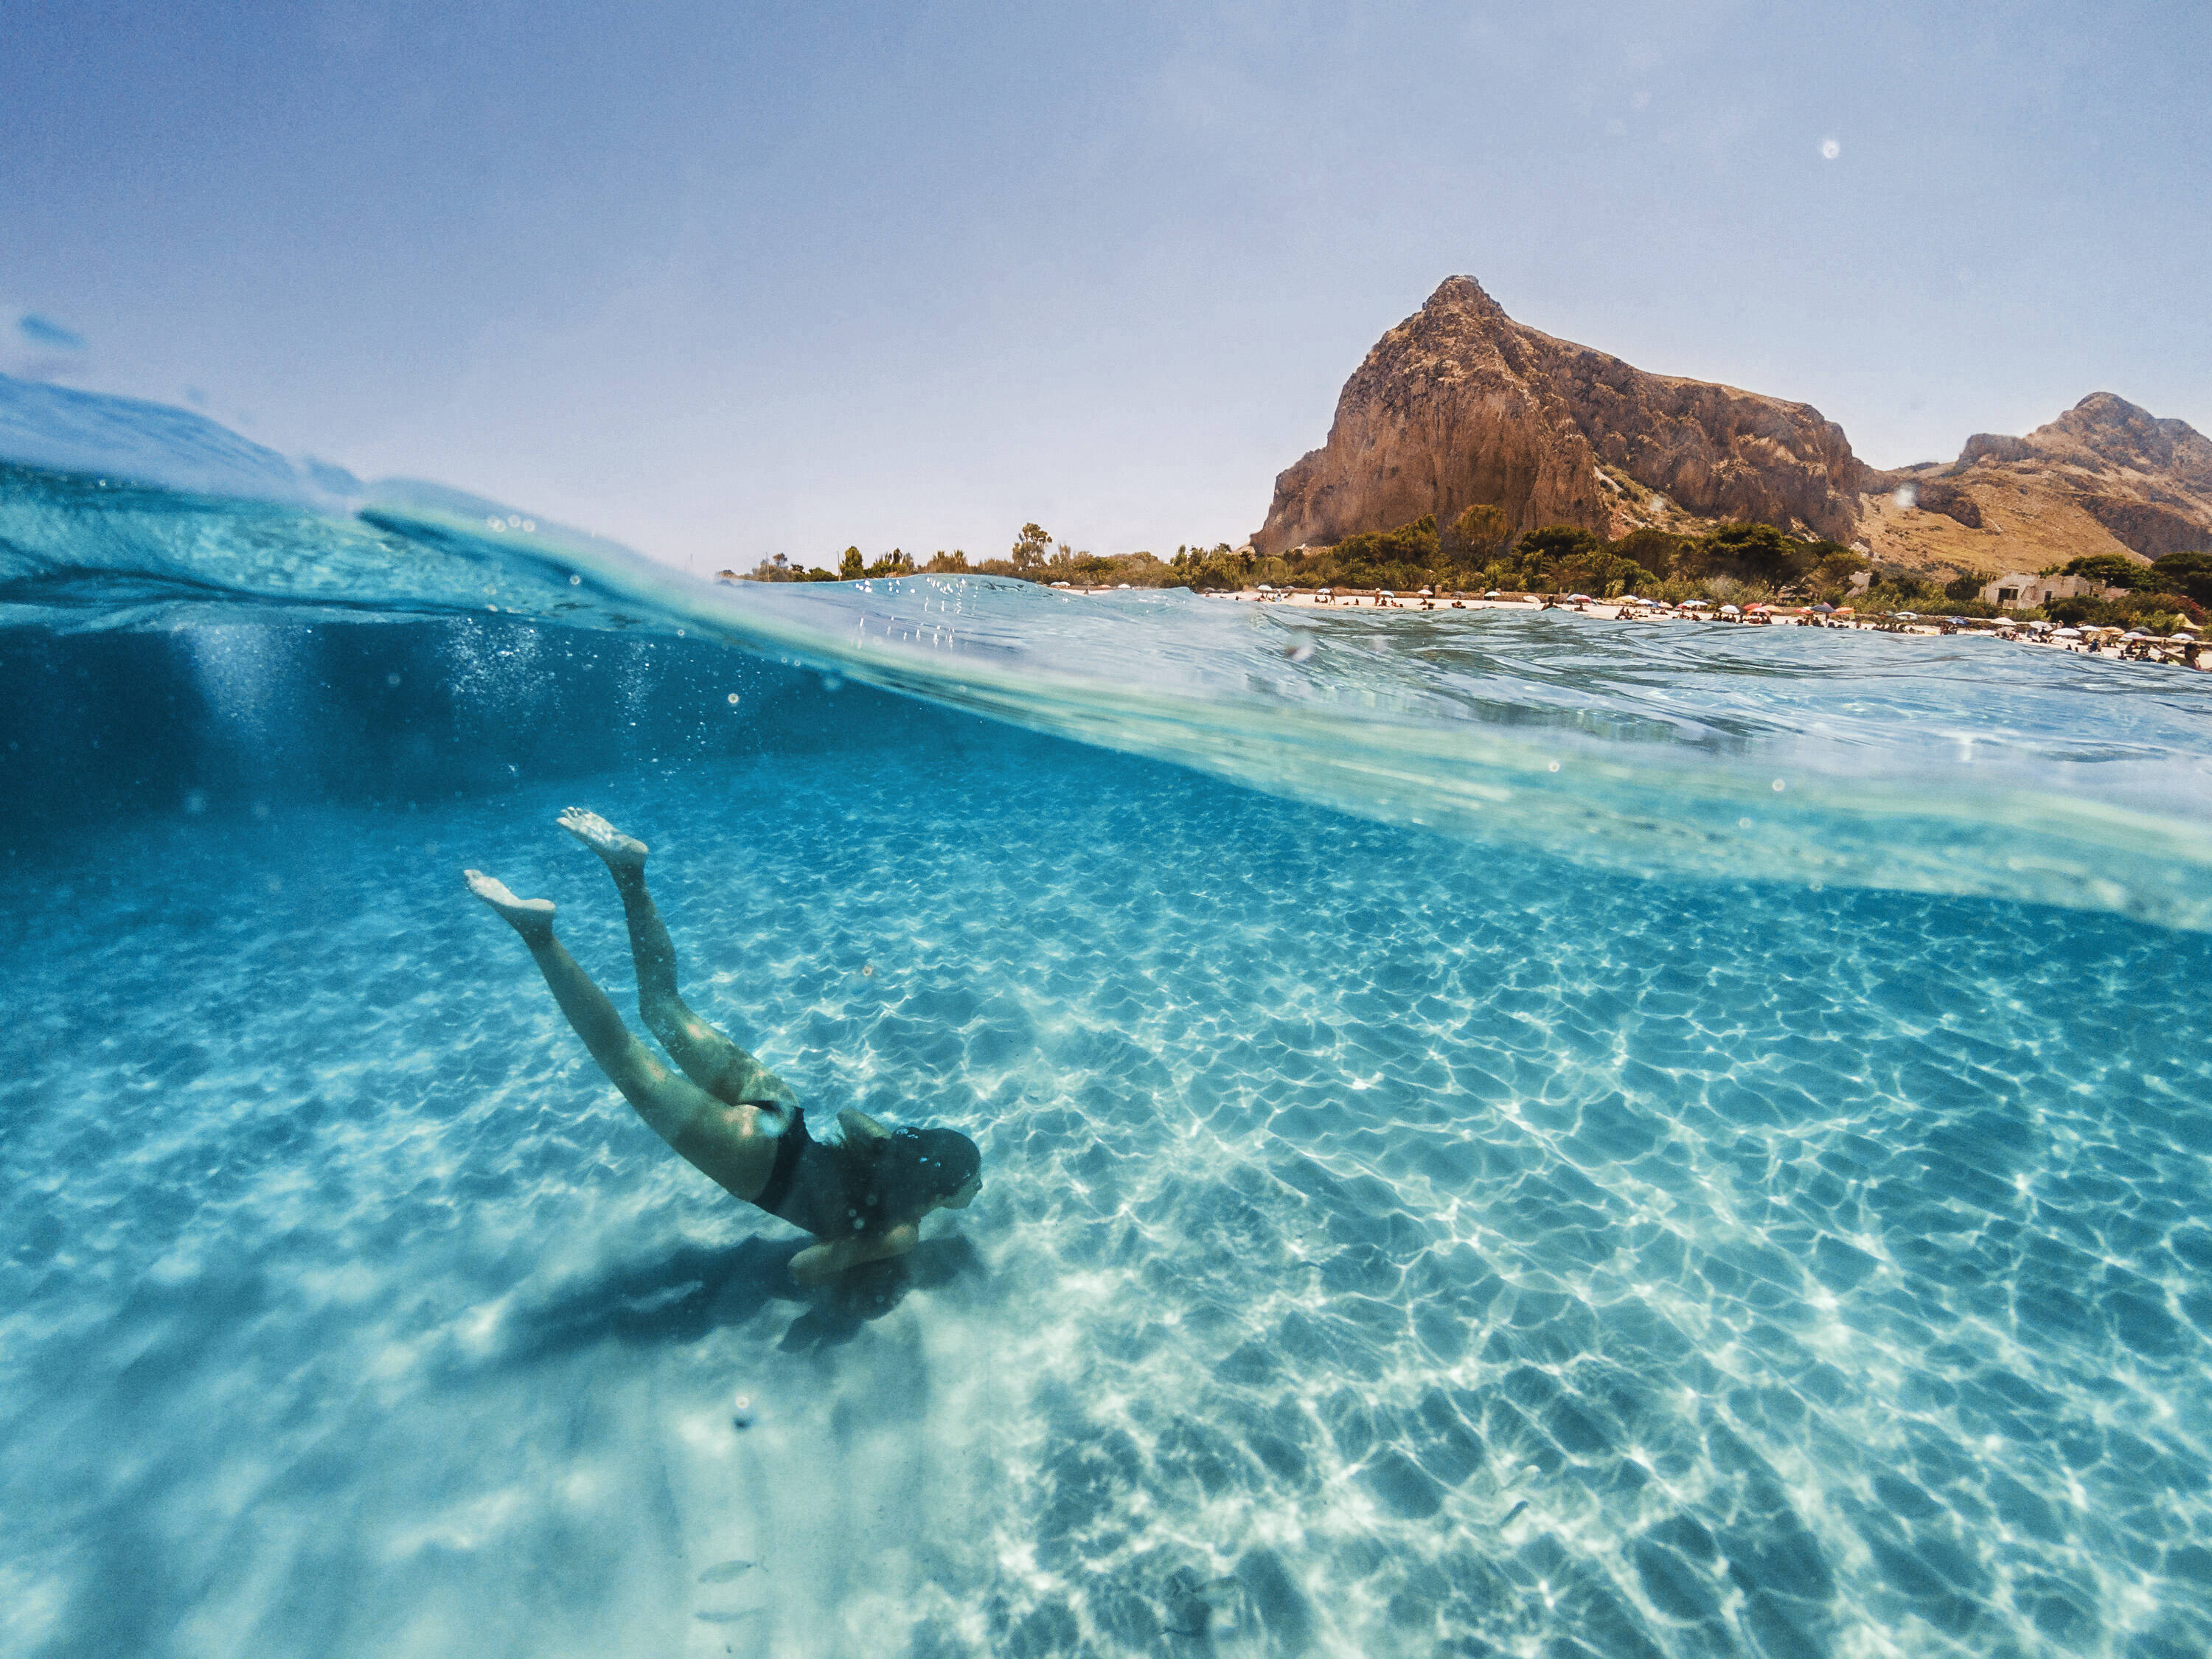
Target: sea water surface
[{"x": 1435, "y": 1203}]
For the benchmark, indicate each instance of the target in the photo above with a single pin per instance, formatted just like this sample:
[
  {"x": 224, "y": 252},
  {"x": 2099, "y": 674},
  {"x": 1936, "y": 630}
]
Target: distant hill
[
  {"x": 1460, "y": 406},
  {"x": 2103, "y": 478}
]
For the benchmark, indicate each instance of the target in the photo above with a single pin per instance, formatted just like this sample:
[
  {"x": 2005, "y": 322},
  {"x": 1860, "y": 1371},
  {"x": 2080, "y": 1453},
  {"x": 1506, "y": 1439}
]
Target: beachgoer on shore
[{"x": 862, "y": 1194}]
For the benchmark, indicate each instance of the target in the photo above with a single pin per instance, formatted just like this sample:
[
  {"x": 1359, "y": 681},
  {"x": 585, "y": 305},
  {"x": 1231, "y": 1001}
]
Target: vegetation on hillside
[
  {"x": 2159, "y": 596},
  {"x": 1736, "y": 562},
  {"x": 1739, "y": 563}
]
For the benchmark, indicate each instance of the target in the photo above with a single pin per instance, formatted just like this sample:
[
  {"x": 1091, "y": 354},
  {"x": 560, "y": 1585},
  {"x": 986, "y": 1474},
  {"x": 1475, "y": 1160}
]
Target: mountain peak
[{"x": 1459, "y": 405}]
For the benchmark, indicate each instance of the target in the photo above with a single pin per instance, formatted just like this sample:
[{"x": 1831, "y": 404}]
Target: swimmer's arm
[
  {"x": 859, "y": 1126},
  {"x": 818, "y": 1264}
]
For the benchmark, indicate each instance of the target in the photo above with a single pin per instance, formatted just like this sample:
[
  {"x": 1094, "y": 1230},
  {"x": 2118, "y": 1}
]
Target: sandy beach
[{"x": 2180, "y": 650}]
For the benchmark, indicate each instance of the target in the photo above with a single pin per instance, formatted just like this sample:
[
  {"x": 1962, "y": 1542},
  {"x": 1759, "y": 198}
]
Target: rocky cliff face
[
  {"x": 1460, "y": 405},
  {"x": 2104, "y": 477}
]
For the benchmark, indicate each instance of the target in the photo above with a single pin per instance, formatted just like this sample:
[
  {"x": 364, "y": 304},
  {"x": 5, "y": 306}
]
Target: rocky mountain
[
  {"x": 1460, "y": 405},
  {"x": 2103, "y": 478}
]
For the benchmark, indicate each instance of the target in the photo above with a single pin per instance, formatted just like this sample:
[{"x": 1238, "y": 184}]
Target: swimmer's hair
[{"x": 895, "y": 1177}]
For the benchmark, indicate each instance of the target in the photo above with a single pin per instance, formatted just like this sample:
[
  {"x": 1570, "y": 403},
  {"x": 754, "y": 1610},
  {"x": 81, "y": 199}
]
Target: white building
[{"x": 2023, "y": 591}]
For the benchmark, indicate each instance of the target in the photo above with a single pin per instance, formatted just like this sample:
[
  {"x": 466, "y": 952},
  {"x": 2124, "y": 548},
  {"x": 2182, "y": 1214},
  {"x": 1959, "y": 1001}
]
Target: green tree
[
  {"x": 1478, "y": 533},
  {"x": 1655, "y": 551},
  {"x": 1758, "y": 552},
  {"x": 2188, "y": 574},
  {"x": 1031, "y": 546},
  {"x": 1554, "y": 545},
  {"x": 852, "y": 567},
  {"x": 2111, "y": 570}
]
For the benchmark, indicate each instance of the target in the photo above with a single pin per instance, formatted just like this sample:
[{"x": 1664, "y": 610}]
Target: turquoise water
[{"x": 1434, "y": 1204}]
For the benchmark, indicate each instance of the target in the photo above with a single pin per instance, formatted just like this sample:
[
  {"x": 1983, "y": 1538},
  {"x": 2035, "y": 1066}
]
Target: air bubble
[
  {"x": 1554, "y": 766},
  {"x": 576, "y": 582},
  {"x": 1779, "y": 786},
  {"x": 733, "y": 699}
]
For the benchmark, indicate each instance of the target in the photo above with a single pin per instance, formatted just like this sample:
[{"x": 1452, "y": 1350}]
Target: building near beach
[{"x": 2023, "y": 591}]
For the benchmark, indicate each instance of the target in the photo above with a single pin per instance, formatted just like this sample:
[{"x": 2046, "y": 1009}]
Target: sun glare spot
[{"x": 1830, "y": 149}]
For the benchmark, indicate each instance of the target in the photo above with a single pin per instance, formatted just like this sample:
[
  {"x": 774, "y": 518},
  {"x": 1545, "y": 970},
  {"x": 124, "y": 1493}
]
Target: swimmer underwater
[{"x": 863, "y": 1195}]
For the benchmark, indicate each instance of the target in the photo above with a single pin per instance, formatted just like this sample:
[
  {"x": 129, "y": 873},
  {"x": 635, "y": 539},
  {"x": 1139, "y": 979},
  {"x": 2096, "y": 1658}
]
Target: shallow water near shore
[
  {"x": 1388, "y": 1246},
  {"x": 1398, "y": 1237}
]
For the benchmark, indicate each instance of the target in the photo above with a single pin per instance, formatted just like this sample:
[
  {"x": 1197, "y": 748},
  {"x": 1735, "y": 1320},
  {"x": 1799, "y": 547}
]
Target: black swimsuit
[{"x": 806, "y": 1186}]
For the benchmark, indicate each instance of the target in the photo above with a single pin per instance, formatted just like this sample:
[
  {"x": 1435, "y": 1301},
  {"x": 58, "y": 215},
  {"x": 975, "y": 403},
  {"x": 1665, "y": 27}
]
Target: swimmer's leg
[
  {"x": 706, "y": 1057},
  {"x": 681, "y": 1113}
]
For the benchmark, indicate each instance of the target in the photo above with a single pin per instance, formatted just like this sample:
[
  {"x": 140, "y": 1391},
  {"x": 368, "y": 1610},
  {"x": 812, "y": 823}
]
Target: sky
[{"x": 724, "y": 280}]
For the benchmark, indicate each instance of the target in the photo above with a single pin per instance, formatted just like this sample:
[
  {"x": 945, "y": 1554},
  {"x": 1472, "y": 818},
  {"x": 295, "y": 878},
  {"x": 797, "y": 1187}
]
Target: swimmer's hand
[{"x": 818, "y": 1264}]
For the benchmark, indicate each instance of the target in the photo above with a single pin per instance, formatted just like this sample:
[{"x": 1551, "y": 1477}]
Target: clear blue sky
[{"x": 724, "y": 280}]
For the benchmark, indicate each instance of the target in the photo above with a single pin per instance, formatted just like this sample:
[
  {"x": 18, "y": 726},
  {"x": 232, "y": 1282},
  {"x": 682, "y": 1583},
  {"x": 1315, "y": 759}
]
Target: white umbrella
[
  {"x": 1731, "y": 610},
  {"x": 2067, "y": 633}
]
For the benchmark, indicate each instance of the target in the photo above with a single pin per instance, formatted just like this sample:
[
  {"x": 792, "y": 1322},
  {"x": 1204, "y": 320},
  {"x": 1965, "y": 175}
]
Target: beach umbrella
[
  {"x": 1825, "y": 609},
  {"x": 1731, "y": 610},
  {"x": 1578, "y": 598},
  {"x": 1428, "y": 592},
  {"x": 2067, "y": 633},
  {"x": 1630, "y": 598},
  {"x": 1907, "y": 616},
  {"x": 1491, "y": 594},
  {"x": 2184, "y": 638},
  {"x": 2135, "y": 634}
]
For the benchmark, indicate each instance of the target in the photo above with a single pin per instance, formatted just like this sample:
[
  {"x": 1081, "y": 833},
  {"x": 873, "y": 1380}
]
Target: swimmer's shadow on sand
[{"x": 680, "y": 1296}]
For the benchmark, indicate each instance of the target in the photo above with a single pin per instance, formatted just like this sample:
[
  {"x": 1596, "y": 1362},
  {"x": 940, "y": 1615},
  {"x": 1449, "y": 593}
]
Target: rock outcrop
[
  {"x": 1460, "y": 405},
  {"x": 2104, "y": 477}
]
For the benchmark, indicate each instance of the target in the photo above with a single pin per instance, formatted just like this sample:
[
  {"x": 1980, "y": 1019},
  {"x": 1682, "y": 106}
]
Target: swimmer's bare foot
[
  {"x": 531, "y": 918},
  {"x": 621, "y": 851}
]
